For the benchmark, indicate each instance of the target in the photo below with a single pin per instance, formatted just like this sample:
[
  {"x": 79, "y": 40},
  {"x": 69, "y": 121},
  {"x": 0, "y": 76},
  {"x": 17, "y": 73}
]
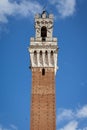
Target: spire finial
[{"x": 44, "y": 7}]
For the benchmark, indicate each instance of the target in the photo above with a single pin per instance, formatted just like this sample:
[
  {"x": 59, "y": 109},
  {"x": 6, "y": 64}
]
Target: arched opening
[
  {"x": 40, "y": 53},
  {"x": 41, "y": 58},
  {"x": 52, "y": 57},
  {"x": 51, "y": 53},
  {"x": 43, "y": 71},
  {"x": 46, "y": 53},
  {"x": 46, "y": 57},
  {"x": 35, "y": 53},
  {"x": 35, "y": 57},
  {"x": 43, "y": 33}
]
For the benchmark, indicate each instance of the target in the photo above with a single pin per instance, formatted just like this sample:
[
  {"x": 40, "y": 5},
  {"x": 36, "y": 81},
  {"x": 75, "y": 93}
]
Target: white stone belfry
[{"x": 43, "y": 47}]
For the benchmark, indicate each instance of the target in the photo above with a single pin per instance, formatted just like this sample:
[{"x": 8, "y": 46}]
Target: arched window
[
  {"x": 35, "y": 57},
  {"x": 43, "y": 71},
  {"x": 46, "y": 57},
  {"x": 41, "y": 58},
  {"x": 52, "y": 57},
  {"x": 40, "y": 53},
  {"x": 43, "y": 33},
  {"x": 35, "y": 53},
  {"x": 51, "y": 53},
  {"x": 46, "y": 53}
]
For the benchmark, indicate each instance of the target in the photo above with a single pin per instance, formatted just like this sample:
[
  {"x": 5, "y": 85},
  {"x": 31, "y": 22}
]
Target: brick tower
[{"x": 43, "y": 56}]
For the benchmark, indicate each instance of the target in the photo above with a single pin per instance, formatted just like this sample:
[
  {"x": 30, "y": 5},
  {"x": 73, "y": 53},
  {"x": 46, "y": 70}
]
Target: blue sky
[{"x": 16, "y": 28}]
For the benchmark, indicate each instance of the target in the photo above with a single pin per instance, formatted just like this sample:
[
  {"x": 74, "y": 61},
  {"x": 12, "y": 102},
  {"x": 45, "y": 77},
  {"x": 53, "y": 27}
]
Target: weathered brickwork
[{"x": 43, "y": 99}]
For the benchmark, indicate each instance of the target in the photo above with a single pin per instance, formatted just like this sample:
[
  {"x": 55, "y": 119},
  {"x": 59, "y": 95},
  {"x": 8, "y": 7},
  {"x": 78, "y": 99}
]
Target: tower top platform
[{"x": 44, "y": 14}]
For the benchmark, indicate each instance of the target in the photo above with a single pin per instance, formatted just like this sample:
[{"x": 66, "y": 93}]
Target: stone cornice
[{"x": 43, "y": 47}]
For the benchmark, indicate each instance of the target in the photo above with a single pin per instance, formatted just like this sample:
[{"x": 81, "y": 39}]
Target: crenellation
[{"x": 51, "y": 16}]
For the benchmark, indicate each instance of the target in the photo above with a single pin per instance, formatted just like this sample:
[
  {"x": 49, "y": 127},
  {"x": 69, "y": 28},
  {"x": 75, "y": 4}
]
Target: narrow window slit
[{"x": 43, "y": 71}]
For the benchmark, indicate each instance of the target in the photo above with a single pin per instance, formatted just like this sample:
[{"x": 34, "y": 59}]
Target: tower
[{"x": 43, "y": 56}]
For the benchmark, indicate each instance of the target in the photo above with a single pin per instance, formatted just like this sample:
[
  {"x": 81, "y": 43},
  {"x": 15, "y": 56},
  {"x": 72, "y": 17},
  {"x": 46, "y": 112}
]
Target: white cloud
[
  {"x": 73, "y": 118},
  {"x": 70, "y": 126},
  {"x": 24, "y": 8},
  {"x": 65, "y": 8},
  {"x": 68, "y": 114},
  {"x": 27, "y": 8},
  {"x": 85, "y": 128},
  {"x": 0, "y": 127},
  {"x": 82, "y": 113},
  {"x": 11, "y": 127},
  {"x": 64, "y": 114}
]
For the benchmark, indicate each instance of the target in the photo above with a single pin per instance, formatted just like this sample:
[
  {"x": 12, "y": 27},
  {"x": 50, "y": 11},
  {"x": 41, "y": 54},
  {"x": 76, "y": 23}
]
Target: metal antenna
[
  {"x": 44, "y": 5},
  {"x": 44, "y": 8}
]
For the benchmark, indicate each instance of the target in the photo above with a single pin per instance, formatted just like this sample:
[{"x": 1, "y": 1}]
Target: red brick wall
[{"x": 43, "y": 100}]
